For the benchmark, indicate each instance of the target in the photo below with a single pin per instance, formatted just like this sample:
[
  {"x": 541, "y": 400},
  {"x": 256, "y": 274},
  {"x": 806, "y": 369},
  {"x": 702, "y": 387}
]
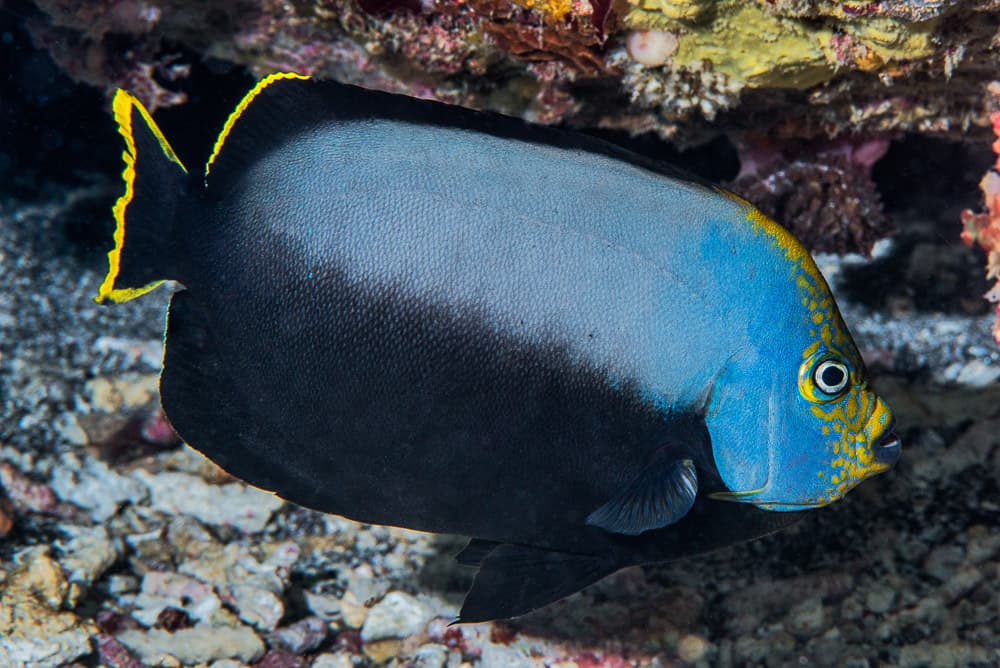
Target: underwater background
[{"x": 864, "y": 127}]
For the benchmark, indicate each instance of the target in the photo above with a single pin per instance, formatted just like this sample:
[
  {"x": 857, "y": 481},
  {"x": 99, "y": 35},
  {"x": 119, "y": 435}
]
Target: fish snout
[{"x": 886, "y": 449}]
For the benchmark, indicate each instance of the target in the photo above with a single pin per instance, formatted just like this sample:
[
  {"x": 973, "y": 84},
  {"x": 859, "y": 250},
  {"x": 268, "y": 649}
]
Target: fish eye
[{"x": 831, "y": 376}]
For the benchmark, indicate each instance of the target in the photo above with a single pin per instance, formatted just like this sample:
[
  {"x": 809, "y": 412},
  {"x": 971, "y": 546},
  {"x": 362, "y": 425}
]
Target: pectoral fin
[
  {"x": 661, "y": 495},
  {"x": 516, "y": 579}
]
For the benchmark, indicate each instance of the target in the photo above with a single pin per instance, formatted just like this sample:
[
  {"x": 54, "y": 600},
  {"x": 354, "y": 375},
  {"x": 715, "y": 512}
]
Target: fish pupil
[{"x": 832, "y": 377}]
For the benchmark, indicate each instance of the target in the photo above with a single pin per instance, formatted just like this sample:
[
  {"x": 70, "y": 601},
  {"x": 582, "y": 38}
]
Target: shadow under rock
[
  {"x": 927, "y": 269},
  {"x": 441, "y": 574}
]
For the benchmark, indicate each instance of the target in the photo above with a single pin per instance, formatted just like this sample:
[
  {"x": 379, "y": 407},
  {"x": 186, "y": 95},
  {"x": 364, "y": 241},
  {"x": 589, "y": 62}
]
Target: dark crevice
[
  {"x": 940, "y": 177},
  {"x": 715, "y": 161}
]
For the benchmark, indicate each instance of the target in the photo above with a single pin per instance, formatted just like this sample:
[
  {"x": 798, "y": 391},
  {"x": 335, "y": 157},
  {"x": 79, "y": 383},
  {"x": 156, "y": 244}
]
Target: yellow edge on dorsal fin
[
  {"x": 122, "y": 106},
  {"x": 241, "y": 107}
]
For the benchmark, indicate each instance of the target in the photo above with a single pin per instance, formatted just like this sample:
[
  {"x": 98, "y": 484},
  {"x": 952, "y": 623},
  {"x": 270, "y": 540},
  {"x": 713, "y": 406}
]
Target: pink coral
[
  {"x": 984, "y": 228},
  {"x": 26, "y": 494}
]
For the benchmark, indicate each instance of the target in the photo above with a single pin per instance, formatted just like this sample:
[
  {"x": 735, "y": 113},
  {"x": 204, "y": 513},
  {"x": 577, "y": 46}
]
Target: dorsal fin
[
  {"x": 286, "y": 104},
  {"x": 250, "y": 130}
]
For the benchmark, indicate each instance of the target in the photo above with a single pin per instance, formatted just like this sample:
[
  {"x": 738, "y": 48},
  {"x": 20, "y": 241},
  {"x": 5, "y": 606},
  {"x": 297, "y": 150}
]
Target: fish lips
[{"x": 886, "y": 450}]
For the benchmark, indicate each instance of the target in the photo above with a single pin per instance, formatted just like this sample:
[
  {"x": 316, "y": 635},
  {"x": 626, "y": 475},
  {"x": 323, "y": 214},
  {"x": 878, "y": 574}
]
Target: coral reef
[
  {"x": 79, "y": 37},
  {"x": 820, "y": 68},
  {"x": 984, "y": 228},
  {"x": 674, "y": 94},
  {"x": 822, "y": 193},
  {"x": 572, "y": 43}
]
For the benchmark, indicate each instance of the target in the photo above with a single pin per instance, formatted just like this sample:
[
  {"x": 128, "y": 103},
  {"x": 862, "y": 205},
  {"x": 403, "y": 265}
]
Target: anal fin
[
  {"x": 660, "y": 496},
  {"x": 516, "y": 579},
  {"x": 474, "y": 553}
]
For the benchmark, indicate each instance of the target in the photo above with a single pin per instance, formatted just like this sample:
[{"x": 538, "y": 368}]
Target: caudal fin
[{"x": 156, "y": 183}]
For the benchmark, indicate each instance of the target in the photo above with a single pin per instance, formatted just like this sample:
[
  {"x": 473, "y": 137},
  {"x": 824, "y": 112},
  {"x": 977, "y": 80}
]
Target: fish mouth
[{"x": 886, "y": 450}]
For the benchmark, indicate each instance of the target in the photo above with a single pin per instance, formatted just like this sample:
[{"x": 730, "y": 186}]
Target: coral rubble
[{"x": 823, "y": 194}]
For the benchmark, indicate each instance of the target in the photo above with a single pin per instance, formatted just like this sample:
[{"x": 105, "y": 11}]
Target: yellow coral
[
  {"x": 755, "y": 48},
  {"x": 744, "y": 42},
  {"x": 891, "y": 39},
  {"x": 675, "y": 10},
  {"x": 554, "y": 8}
]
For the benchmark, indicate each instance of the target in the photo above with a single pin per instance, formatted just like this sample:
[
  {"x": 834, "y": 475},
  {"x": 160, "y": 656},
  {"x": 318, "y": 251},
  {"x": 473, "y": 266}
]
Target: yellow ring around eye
[{"x": 807, "y": 384}]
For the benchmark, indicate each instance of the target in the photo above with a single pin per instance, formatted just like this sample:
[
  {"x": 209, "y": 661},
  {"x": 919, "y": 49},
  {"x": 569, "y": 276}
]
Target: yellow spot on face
[
  {"x": 844, "y": 420},
  {"x": 810, "y": 282},
  {"x": 855, "y": 460}
]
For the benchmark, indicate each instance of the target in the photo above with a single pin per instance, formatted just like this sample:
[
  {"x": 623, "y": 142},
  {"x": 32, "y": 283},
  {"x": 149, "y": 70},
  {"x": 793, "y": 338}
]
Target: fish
[{"x": 413, "y": 314}]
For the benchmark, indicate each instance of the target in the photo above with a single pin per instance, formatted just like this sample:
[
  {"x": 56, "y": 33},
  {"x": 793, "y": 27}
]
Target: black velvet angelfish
[{"x": 418, "y": 315}]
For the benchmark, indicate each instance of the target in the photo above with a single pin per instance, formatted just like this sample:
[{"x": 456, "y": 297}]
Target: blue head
[{"x": 793, "y": 422}]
